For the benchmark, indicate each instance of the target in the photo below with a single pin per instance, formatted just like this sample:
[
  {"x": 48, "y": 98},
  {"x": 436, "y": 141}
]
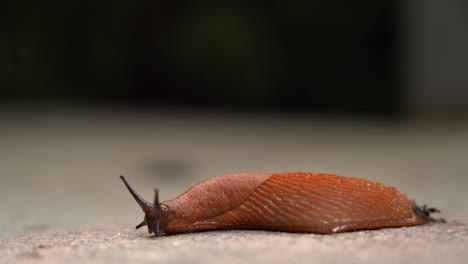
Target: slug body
[{"x": 293, "y": 202}]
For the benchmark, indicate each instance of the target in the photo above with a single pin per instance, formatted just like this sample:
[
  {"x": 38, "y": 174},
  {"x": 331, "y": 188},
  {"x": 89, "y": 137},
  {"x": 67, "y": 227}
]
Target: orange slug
[{"x": 306, "y": 202}]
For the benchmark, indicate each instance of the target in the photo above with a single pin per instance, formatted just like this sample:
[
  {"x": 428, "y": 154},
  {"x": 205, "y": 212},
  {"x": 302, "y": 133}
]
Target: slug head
[{"x": 154, "y": 213}]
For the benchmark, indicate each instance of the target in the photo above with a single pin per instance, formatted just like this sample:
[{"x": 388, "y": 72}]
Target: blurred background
[
  {"x": 171, "y": 93},
  {"x": 363, "y": 57}
]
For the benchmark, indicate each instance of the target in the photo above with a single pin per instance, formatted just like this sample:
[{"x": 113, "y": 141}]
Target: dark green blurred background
[
  {"x": 327, "y": 56},
  {"x": 317, "y": 56}
]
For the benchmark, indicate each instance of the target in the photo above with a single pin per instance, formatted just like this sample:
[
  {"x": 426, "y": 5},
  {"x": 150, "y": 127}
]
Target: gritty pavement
[
  {"x": 61, "y": 200},
  {"x": 434, "y": 243}
]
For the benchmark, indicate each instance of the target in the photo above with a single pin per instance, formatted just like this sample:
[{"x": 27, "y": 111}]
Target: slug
[{"x": 292, "y": 202}]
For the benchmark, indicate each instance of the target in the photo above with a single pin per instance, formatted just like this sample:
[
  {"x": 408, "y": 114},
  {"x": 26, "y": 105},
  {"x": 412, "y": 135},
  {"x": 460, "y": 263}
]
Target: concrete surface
[
  {"x": 61, "y": 199},
  {"x": 435, "y": 243}
]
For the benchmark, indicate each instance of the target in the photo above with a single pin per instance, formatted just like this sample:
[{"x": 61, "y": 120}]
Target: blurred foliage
[{"x": 328, "y": 56}]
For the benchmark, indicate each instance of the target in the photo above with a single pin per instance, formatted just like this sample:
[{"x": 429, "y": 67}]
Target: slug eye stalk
[
  {"x": 156, "y": 212},
  {"x": 145, "y": 206}
]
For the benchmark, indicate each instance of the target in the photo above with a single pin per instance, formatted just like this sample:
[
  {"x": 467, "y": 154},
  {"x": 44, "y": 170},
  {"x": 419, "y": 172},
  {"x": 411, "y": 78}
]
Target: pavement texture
[
  {"x": 61, "y": 199},
  {"x": 434, "y": 243}
]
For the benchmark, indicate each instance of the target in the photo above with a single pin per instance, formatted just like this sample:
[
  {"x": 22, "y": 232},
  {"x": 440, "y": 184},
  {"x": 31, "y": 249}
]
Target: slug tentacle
[
  {"x": 156, "y": 213},
  {"x": 141, "y": 224},
  {"x": 145, "y": 206},
  {"x": 152, "y": 212}
]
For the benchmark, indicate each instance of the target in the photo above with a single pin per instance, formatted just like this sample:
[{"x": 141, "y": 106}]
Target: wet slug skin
[{"x": 305, "y": 202}]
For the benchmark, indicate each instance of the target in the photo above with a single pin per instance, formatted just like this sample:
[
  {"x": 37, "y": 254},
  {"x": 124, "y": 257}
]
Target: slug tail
[{"x": 425, "y": 212}]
